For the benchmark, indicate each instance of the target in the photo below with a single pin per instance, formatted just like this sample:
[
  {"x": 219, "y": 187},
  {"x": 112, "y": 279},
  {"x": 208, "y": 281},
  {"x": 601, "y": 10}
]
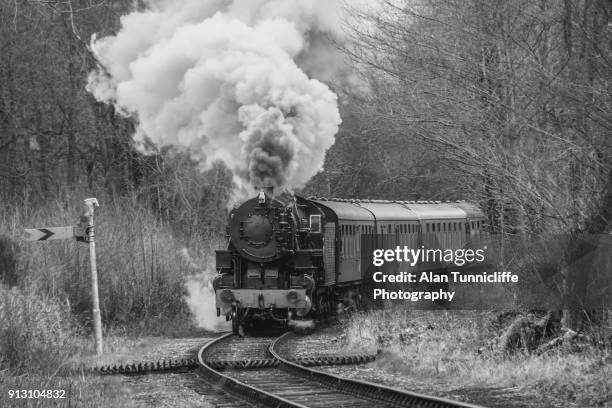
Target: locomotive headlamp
[
  {"x": 262, "y": 197},
  {"x": 227, "y": 296},
  {"x": 293, "y": 296}
]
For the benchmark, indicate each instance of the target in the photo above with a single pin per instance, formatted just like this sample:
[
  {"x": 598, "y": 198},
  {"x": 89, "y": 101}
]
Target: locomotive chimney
[{"x": 268, "y": 190}]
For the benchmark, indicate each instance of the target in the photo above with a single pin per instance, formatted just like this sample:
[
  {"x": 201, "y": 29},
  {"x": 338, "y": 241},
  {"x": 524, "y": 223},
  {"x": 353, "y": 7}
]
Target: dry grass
[
  {"x": 80, "y": 390},
  {"x": 445, "y": 345},
  {"x": 38, "y": 345},
  {"x": 36, "y": 334},
  {"x": 142, "y": 264},
  {"x": 45, "y": 302}
]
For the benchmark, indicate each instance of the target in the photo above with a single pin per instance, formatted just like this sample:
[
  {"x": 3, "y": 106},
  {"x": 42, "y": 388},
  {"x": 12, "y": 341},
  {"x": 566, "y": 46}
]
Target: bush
[{"x": 36, "y": 334}]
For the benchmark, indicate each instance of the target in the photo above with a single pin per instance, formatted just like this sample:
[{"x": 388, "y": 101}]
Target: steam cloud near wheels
[{"x": 226, "y": 80}]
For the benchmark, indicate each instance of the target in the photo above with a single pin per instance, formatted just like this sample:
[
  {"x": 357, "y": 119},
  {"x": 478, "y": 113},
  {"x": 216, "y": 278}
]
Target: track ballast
[{"x": 267, "y": 378}]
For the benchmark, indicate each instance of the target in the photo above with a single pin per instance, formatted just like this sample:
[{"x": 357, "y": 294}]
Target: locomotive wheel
[
  {"x": 322, "y": 306},
  {"x": 325, "y": 306},
  {"x": 360, "y": 305},
  {"x": 237, "y": 328}
]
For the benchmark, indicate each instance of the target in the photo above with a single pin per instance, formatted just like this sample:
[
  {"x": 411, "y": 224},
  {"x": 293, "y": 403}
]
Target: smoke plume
[{"x": 219, "y": 79}]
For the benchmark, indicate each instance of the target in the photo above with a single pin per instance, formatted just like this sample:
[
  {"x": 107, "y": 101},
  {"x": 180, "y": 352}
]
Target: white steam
[
  {"x": 201, "y": 296},
  {"x": 201, "y": 302},
  {"x": 219, "y": 79}
]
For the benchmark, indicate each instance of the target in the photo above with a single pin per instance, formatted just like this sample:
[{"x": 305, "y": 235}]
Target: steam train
[{"x": 289, "y": 256}]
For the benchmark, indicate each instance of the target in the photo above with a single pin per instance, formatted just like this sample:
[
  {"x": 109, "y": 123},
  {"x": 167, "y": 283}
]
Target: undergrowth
[
  {"x": 142, "y": 263},
  {"x": 456, "y": 346}
]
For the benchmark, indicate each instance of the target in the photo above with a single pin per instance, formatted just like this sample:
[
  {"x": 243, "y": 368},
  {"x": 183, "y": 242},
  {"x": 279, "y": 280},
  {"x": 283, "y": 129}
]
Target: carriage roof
[
  {"x": 441, "y": 211},
  {"x": 346, "y": 210},
  {"x": 471, "y": 210},
  {"x": 390, "y": 211},
  {"x": 383, "y": 210}
]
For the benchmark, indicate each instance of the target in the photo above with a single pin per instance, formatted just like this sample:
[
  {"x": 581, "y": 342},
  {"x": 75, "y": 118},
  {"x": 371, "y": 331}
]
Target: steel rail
[
  {"x": 376, "y": 392},
  {"x": 238, "y": 388},
  {"x": 322, "y": 385}
]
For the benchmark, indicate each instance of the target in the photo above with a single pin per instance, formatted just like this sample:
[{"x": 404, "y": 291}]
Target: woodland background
[{"x": 507, "y": 104}]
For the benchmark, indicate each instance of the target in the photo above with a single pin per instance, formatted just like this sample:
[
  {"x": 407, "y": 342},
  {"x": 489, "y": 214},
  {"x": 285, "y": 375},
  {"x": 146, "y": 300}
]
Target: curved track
[{"x": 284, "y": 383}]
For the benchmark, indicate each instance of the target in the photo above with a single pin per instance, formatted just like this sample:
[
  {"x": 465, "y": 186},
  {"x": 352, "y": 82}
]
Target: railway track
[{"x": 252, "y": 369}]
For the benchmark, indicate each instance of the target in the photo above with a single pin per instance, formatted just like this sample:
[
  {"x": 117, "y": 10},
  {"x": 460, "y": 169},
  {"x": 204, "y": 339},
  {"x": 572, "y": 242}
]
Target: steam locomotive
[{"x": 289, "y": 256}]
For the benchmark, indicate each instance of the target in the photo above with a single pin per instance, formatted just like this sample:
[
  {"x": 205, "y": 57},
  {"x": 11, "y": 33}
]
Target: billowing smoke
[{"x": 219, "y": 79}]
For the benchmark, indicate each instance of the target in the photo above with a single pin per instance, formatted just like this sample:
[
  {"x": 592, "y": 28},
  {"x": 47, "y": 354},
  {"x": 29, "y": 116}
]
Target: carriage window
[
  {"x": 433, "y": 227},
  {"x": 472, "y": 224},
  {"x": 444, "y": 226},
  {"x": 460, "y": 226},
  {"x": 315, "y": 223},
  {"x": 427, "y": 227}
]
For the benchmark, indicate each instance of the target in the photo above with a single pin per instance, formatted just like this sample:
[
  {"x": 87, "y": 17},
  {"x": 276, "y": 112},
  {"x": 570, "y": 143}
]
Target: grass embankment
[
  {"x": 40, "y": 346},
  {"x": 463, "y": 349},
  {"x": 45, "y": 295}
]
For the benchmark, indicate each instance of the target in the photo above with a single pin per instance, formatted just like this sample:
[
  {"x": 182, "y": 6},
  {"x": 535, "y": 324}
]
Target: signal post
[
  {"x": 83, "y": 232},
  {"x": 88, "y": 219}
]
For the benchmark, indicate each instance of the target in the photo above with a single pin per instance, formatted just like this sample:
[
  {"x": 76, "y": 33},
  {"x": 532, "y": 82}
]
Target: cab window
[{"x": 315, "y": 223}]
